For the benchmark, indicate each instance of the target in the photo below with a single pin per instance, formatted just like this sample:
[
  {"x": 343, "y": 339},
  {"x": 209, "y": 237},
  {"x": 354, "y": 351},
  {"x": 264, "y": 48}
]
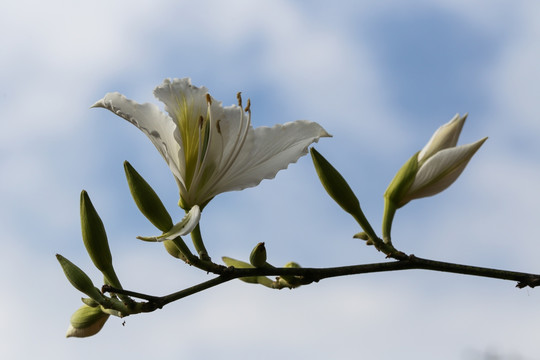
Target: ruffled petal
[
  {"x": 159, "y": 127},
  {"x": 269, "y": 150}
]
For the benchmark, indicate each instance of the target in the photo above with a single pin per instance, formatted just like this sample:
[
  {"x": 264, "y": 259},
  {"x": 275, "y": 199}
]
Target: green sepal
[
  {"x": 79, "y": 279},
  {"x": 95, "y": 240},
  {"x": 402, "y": 181},
  {"x": 395, "y": 193},
  {"x": 90, "y": 302},
  {"x": 86, "y": 321},
  {"x": 257, "y": 257},
  {"x": 147, "y": 200},
  {"x": 334, "y": 184}
]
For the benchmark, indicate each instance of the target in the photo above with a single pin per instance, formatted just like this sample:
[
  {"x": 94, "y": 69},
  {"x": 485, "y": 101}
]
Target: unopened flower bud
[
  {"x": 95, "y": 240},
  {"x": 147, "y": 200},
  {"x": 257, "y": 257},
  {"x": 79, "y": 279},
  {"x": 430, "y": 171},
  {"x": 334, "y": 184},
  {"x": 86, "y": 321}
]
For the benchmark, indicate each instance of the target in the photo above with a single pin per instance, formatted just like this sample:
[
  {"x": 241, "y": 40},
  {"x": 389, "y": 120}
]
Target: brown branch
[{"x": 309, "y": 275}]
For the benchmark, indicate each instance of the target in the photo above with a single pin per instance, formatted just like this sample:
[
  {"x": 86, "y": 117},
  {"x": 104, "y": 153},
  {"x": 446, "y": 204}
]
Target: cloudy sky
[{"x": 380, "y": 76}]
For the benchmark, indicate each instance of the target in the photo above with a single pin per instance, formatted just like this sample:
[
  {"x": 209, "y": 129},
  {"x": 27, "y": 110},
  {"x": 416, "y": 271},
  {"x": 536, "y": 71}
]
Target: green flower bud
[
  {"x": 334, "y": 184},
  {"x": 79, "y": 279},
  {"x": 95, "y": 240},
  {"x": 86, "y": 321},
  {"x": 173, "y": 250},
  {"x": 147, "y": 200},
  {"x": 338, "y": 189},
  {"x": 257, "y": 257}
]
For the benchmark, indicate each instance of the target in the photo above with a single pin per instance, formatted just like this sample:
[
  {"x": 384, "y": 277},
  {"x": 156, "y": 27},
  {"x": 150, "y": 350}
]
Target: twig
[{"x": 316, "y": 274}]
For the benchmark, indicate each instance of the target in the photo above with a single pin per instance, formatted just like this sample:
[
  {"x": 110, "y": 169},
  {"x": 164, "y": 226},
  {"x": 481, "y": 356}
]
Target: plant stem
[
  {"x": 316, "y": 274},
  {"x": 199, "y": 244}
]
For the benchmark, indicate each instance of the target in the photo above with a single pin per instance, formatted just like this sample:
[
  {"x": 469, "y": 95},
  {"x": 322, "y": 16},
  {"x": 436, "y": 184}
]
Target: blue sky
[{"x": 380, "y": 76}]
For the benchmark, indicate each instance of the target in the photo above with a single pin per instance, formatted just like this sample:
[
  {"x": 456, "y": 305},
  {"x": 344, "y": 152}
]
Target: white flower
[
  {"x": 441, "y": 161},
  {"x": 209, "y": 148},
  {"x": 430, "y": 171}
]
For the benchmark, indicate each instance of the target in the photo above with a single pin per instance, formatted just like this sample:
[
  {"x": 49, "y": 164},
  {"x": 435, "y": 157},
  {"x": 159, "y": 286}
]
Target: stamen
[
  {"x": 208, "y": 99},
  {"x": 239, "y": 97}
]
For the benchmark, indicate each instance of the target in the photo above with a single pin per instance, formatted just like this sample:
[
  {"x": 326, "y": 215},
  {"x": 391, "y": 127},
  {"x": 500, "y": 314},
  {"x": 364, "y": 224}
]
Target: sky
[{"x": 381, "y": 77}]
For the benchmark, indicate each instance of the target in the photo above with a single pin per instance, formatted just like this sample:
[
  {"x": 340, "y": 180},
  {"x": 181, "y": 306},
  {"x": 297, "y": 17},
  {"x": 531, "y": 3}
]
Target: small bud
[
  {"x": 257, "y": 257},
  {"x": 263, "y": 280},
  {"x": 86, "y": 321},
  {"x": 361, "y": 235},
  {"x": 147, "y": 200},
  {"x": 78, "y": 278},
  {"x": 95, "y": 240},
  {"x": 334, "y": 184},
  {"x": 290, "y": 282}
]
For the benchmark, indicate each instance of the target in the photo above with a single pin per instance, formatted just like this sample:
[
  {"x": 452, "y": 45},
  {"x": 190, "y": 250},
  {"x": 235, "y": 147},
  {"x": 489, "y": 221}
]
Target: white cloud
[{"x": 65, "y": 56}]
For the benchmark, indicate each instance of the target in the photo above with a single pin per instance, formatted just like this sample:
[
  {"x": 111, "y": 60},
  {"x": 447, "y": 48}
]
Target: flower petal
[
  {"x": 269, "y": 150},
  {"x": 445, "y": 137},
  {"x": 159, "y": 127},
  {"x": 184, "y": 227},
  {"x": 441, "y": 170}
]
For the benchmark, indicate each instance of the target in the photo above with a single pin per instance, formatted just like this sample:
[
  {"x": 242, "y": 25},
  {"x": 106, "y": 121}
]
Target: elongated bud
[
  {"x": 86, "y": 321},
  {"x": 257, "y": 257},
  {"x": 147, "y": 200},
  {"x": 79, "y": 279},
  {"x": 95, "y": 240},
  {"x": 334, "y": 184},
  {"x": 338, "y": 189}
]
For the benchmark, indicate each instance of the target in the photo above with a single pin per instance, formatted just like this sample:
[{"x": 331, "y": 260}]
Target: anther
[
  {"x": 248, "y": 106},
  {"x": 208, "y": 99},
  {"x": 201, "y": 121},
  {"x": 218, "y": 126},
  {"x": 239, "y": 97}
]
